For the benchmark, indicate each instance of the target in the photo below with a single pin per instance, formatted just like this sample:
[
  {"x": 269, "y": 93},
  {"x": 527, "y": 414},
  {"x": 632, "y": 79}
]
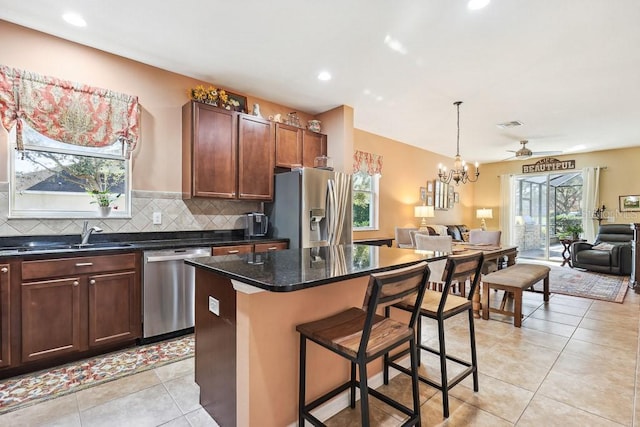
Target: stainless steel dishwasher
[{"x": 169, "y": 291}]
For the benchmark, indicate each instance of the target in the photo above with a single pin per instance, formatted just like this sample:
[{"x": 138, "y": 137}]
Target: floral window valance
[
  {"x": 68, "y": 112},
  {"x": 367, "y": 162}
]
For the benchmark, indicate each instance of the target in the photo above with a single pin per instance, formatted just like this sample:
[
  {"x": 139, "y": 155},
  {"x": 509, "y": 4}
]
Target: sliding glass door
[{"x": 545, "y": 209}]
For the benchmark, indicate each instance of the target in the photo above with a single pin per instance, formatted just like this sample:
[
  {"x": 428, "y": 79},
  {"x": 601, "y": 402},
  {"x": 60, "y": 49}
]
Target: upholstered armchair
[{"x": 610, "y": 253}]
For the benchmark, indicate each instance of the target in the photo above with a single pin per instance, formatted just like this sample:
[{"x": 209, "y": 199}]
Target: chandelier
[{"x": 460, "y": 171}]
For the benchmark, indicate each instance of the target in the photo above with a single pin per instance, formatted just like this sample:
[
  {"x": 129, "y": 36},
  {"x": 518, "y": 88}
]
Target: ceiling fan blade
[{"x": 546, "y": 153}]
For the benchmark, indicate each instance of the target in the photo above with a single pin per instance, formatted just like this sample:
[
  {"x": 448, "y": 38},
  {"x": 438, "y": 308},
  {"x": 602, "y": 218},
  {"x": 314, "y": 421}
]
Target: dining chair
[
  {"x": 482, "y": 237},
  {"x": 425, "y": 242},
  {"x": 440, "y": 306},
  {"x": 403, "y": 237}
]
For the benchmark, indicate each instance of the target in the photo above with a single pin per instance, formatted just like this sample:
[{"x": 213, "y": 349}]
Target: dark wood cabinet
[
  {"x": 114, "y": 308},
  {"x": 256, "y": 152},
  {"x": 288, "y": 146},
  {"x": 71, "y": 305},
  {"x": 5, "y": 305},
  {"x": 50, "y": 318},
  {"x": 298, "y": 147},
  {"x": 226, "y": 154},
  {"x": 268, "y": 247},
  {"x": 247, "y": 248},
  {"x": 313, "y": 145},
  {"x": 209, "y": 146}
]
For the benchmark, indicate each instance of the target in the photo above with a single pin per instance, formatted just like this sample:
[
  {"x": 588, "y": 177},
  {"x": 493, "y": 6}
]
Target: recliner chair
[{"x": 616, "y": 260}]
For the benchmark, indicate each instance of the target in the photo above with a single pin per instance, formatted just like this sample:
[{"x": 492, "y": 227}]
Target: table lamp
[
  {"x": 424, "y": 212},
  {"x": 483, "y": 214}
]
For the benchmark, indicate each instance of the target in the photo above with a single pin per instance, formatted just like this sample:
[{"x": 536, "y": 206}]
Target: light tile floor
[{"x": 574, "y": 362}]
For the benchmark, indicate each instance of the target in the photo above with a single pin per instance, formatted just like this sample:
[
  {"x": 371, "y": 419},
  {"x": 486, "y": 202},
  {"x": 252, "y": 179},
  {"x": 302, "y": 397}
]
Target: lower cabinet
[
  {"x": 5, "y": 332},
  {"x": 50, "y": 318},
  {"x": 96, "y": 303}
]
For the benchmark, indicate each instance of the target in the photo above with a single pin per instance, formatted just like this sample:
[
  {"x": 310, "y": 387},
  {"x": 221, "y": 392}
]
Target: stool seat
[{"x": 343, "y": 331}]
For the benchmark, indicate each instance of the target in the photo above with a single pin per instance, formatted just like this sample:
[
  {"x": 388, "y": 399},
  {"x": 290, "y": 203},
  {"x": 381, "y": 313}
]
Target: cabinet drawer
[
  {"x": 231, "y": 250},
  {"x": 48, "y": 268},
  {"x": 273, "y": 246}
]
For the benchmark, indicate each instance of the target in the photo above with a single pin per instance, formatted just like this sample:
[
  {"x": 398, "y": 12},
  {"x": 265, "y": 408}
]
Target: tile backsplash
[{"x": 177, "y": 215}]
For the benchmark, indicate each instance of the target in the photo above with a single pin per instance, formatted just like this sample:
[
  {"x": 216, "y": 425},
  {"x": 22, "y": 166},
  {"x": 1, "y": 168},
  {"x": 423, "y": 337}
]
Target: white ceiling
[{"x": 568, "y": 69}]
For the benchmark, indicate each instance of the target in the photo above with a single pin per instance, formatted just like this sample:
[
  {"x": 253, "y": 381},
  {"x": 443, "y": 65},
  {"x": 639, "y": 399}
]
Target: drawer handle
[
  {"x": 272, "y": 248},
  {"x": 76, "y": 283},
  {"x": 4, "y": 270},
  {"x": 84, "y": 264},
  {"x": 233, "y": 252},
  {"x": 92, "y": 281}
]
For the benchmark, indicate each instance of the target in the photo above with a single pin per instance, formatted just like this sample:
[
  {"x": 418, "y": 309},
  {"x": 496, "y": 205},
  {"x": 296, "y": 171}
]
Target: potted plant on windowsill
[{"x": 103, "y": 198}]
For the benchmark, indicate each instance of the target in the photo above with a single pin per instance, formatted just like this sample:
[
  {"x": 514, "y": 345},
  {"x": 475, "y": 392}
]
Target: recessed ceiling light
[
  {"x": 74, "y": 19},
  {"x": 324, "y": 76},
  {"x": 477, "y": 4},
  {"x": 395, "y": 45}
]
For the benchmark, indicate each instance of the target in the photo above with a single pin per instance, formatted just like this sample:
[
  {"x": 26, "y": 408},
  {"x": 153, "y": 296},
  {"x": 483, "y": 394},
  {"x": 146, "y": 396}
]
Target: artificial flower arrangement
[{"x": 213, "y": 96}]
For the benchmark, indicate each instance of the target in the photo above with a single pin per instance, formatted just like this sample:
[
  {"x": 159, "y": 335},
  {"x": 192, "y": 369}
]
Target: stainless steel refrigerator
[{"x": 311, "y": 207}]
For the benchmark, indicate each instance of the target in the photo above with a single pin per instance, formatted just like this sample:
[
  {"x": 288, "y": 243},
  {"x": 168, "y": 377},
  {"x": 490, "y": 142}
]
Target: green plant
[
  {"x": 574, "y": 230},
  {"x": 103, "y": 198}
]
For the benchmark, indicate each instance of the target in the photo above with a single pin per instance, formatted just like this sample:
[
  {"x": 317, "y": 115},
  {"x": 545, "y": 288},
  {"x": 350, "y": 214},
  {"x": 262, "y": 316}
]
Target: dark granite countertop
[
  {"x": 294, "y": 269},
  {"x": 21, "y": 246}
]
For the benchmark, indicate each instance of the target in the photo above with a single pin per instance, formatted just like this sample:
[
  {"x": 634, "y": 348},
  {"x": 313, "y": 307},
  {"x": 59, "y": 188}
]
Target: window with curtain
[
  {"x": 367, "y": 169},
  {"x": 70, "y": 146}
]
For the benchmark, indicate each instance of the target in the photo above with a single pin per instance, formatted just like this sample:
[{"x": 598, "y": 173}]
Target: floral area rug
[
  {"x": 570, "y": 281},
  {"x": 36, "y": 387}
]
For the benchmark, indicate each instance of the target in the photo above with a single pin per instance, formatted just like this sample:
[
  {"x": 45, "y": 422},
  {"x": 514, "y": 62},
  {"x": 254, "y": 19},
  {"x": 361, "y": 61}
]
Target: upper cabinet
[
  {"x": 256, "y": 149},
  {"x": 296, "y": 146},
  {"x": 226, "y": 154},
  {"x": 288, "y": 146},
  {"x": 313, "y": 145}
]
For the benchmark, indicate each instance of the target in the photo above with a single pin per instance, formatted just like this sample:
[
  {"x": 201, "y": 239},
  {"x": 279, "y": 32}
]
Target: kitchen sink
[
  {"x": 100, "y": 245},
  {"x": 53, "y": 246}
]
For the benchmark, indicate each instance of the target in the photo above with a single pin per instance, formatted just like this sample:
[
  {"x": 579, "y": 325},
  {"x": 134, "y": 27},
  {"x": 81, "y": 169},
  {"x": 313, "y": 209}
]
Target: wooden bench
[{"x": 514, "y": 279}]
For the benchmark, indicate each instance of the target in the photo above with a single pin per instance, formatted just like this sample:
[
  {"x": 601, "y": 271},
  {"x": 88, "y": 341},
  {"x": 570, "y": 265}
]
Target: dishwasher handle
[{"x": 176, "y": 257}]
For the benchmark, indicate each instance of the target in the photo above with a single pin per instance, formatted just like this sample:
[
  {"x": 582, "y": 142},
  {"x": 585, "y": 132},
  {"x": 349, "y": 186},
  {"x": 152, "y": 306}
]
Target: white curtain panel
[
  {"x": 590, "y": 200},
  {"x": 506, "y": 211}
]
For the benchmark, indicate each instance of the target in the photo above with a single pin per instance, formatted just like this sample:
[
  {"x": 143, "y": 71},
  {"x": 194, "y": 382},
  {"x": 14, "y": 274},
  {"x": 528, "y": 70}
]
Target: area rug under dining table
[
  {"x": 586, "y": 284},
  {"x": 28, "y": 389}
]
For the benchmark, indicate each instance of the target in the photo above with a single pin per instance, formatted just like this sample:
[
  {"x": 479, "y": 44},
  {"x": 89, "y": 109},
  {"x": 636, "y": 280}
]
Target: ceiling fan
[{"x": 525, "y": 153}]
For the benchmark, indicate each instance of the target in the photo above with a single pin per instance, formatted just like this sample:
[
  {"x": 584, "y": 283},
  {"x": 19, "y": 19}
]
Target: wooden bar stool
[
  {"x": 361, "y": 335},
  {"x": 440, "y": 306}
]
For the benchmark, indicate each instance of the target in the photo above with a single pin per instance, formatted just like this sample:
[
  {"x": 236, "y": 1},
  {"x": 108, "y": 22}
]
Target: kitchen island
[{"x": 247, "y": 307}]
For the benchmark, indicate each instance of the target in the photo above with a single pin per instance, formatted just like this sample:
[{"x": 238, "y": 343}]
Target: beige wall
[
  {"x": 161, "y": 94},
  {"x": 619, "y": 178},
  {"x": 405, "y": 170}
]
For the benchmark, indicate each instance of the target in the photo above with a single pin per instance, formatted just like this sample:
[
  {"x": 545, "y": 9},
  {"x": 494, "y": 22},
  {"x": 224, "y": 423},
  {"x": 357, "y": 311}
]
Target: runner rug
[
  {"x": 28, "y": 389},
  {"x": 586, "y": 284}
]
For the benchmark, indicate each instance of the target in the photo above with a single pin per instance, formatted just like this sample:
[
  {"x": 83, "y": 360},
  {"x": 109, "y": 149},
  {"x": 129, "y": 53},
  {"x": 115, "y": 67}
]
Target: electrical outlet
[
  {"x": 157, "y": 218},
  {"x": 214, "y": 306}
]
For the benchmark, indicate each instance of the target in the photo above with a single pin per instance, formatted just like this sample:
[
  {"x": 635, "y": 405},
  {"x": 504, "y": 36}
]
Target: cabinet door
[
  {"x": 288, "y": 146},
  {"x": 256, "y": 149},
  {"x": 313, "y": 145},
  {"x": 214, "y": 167},
  {"x": 114, "y": 308},
  {"x": 5, "y": 338},
  {"x": 50, "y": 318}
]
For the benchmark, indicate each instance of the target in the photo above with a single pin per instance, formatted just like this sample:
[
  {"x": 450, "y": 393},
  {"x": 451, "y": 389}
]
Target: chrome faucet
[{"x": 86, "y": 232}]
